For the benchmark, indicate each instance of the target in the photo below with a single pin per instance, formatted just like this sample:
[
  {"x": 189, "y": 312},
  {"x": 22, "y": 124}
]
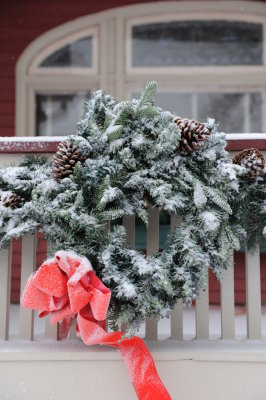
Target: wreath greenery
[{"x": 131, "y": 157}]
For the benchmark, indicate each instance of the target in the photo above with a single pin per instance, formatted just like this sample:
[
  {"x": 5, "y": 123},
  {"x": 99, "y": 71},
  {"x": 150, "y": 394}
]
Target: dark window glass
[
  {"x": 76, "y": 54},
  {"x": 197, "y": 43}
]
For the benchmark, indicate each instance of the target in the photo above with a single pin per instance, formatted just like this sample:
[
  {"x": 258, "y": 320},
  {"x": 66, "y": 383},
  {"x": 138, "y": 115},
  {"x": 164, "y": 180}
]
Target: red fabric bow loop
[{"x": 63, "y": 286}]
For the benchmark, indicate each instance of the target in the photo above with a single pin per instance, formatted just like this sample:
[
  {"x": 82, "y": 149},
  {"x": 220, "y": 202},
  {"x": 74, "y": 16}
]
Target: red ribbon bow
[{"x": 66, "y": 287}]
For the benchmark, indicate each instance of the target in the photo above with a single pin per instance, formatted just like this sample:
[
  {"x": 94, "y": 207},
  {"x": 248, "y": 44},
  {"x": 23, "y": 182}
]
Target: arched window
[
  {"x": 208, "y": 59},
  {"x": 58, "y": 79}
]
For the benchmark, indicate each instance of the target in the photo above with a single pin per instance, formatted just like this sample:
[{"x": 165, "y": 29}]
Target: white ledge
[
  {"x": 74, "y": 350},
  {"x": 21, "y": 139},
  {"x": 246, "y": 136}
]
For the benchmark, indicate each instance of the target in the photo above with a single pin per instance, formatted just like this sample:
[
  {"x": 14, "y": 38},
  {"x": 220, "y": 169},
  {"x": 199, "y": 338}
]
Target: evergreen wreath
[
  {"x": 249, "y": 207},
  {"x": 126, "y": 158}
]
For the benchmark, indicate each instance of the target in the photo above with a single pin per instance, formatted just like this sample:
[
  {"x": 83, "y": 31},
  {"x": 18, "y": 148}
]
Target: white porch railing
[
  {"x": 209, "y": 360},
  {"x": 202, "y": 323}
]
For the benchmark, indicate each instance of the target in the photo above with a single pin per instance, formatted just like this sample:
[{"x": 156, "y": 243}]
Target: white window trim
[
  {"x": 112, "y": 72},
  {"x": 92, "y": 32}
]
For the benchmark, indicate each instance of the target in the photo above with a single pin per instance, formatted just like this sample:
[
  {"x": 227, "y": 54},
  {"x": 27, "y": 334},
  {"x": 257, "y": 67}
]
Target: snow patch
[{"x": 210, "y": 220}]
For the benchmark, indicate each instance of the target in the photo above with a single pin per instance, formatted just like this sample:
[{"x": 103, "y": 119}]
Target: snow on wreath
[{"x": 125, "y": 159}]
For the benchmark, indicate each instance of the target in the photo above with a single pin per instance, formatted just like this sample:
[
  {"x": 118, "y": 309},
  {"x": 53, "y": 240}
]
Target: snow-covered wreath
[{"x": 126, "y": 158}]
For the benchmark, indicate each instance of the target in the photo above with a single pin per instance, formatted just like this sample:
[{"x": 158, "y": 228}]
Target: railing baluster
[
  {"x": 28, "y": 263},
  {"x": 177, "y": 321},
  {"x": 129, "y": 224},
  {"x": 202, "y": 314},
  {"x": 152, "y": 247},
  {"x": 51, "y": 331},
  {"x": 253, "y": 294},
  {"x": 72, "y": 331},
  {"x": 228, "y": 302},
  {"x": 177, "y": 313},
  {"x": 5, "y": 283}
]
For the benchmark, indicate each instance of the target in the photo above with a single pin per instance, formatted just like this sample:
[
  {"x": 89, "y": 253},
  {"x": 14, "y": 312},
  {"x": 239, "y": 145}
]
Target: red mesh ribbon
[{"x": 66, "y": 287}]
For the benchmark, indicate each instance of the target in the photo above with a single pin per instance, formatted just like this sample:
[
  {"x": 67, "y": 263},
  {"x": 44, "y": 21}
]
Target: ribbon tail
[
  {"x": 137, "y": 358},
  {"x": 142, "y": 370}
]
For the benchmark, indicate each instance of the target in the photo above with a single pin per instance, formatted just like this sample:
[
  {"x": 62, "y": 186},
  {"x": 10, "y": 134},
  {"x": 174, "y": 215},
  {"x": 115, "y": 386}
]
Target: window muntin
[
  {"x": 57, "y": 114},
  {"x": 196, "y": 43},
  {"x": 76, "y": 54}
]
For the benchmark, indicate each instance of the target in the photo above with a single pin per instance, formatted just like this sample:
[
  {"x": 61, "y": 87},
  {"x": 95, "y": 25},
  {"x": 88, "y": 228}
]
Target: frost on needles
[{"x": 133, "y": 162}]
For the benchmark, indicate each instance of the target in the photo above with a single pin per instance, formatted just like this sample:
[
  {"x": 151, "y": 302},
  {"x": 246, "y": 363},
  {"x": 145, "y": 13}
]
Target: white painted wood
[
  {"x": 152, "y": 247},
  {"x": 188, "y": 370},
  {"x": 228, "y": 302},
  {"x": 51, "y": 331},
  {"x": 177, "y": 321},
  {"x": 5, "y": 282},
  {"x": 177, "y": 313},
  {"x": 72, "y": 331},
  {"x": 28, "y": 264},
  {"x": 60, "y": 43},
  {"x": 253, "y": 294},
  {"x": 202, "y": 315},
  {"x": 129, "y": 224}
]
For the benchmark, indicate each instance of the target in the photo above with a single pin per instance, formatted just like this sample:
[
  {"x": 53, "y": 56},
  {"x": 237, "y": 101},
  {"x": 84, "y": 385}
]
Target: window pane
[
  {"x": 235, "y": 112},
  {"x": 197, "y": 43},
  {"x": 57, "y": 115},
  {"x": 76, "y": 54},
  {"x": 175, "y": 101}
]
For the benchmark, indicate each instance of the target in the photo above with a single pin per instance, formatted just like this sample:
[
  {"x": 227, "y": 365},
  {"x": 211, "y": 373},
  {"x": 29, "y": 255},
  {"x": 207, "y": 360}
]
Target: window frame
[
  {"x": 176, "y": 70},
  {"x": 112, "y": 73},
  {"x": 92, "y": 32}
]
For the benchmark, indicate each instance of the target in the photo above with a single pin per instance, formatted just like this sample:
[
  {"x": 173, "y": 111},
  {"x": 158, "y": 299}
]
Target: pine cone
[
  {"x": 193, "y": 134},
  {"x": 11, "y": 200},
  {"x": 65, "y": 160},
  {"x": 253, "y": 160}
]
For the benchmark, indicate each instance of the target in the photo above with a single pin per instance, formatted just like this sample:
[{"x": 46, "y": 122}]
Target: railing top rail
[{"x": 48, "y": 144}]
